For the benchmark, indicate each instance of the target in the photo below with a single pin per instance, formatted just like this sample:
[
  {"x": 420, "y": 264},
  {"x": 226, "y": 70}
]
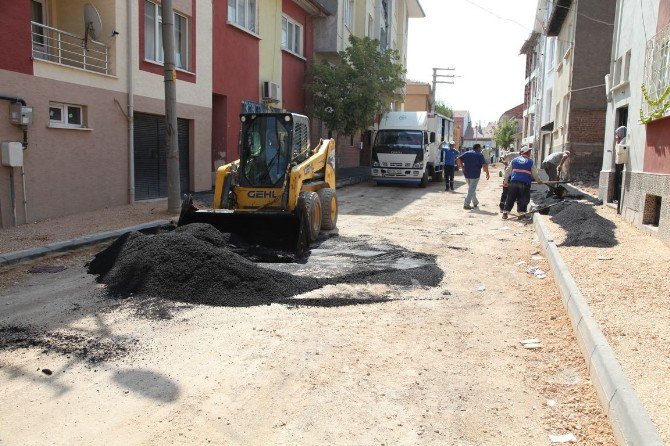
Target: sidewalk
[
  {"x": 623, "y": 275},
  {"x": 78, "y": 225}
]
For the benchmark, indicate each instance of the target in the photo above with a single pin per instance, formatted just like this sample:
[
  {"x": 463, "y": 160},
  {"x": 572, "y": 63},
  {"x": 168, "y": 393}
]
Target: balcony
[
  {"x": 656, "y": 86},
  {"x": 64, "y": 48}
]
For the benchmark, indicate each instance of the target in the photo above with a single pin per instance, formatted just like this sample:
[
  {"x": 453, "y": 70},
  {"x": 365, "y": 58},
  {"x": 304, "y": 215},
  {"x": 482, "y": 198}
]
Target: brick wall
[{"x": 587, "y": 126}]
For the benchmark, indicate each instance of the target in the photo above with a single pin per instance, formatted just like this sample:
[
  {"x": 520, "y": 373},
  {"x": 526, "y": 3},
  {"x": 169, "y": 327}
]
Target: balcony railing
[
  {"x": 62, "y": 47},
  {"x": 656, "y": 86}
]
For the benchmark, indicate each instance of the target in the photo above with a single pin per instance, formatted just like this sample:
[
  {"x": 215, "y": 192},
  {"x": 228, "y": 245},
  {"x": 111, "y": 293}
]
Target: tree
[
  {"x": 444, "y": 109},
  {"x": 504, "y": 132},
  {"x": 348, "y": 94}
]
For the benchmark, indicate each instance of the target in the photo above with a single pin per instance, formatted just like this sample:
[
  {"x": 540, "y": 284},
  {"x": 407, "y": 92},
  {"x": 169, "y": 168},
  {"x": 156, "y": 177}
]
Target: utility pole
[
  {"x": 171, "y": 136},
  {"x": 438, "y": 73}
]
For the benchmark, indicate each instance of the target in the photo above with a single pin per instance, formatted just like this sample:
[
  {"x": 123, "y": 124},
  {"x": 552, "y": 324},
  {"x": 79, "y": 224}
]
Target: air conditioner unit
[{"x": 271, "y": 92}]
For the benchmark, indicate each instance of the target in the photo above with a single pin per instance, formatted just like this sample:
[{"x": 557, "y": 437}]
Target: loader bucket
[{"x": 273, "y": 229}]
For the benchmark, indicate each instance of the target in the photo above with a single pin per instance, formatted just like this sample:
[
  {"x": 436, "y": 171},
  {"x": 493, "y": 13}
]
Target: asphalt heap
[
  {"x": 582, "y": 224},
  {"x": 198, "y": 264}
]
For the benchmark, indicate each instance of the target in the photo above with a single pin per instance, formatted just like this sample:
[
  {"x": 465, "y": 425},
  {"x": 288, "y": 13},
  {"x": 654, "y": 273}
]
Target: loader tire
[
  {"x": 312, "y": 210},
  {"x": 329, "y": 208}
]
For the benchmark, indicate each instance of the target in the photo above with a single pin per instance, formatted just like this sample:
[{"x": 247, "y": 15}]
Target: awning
[{"x": 548, "y": 127}]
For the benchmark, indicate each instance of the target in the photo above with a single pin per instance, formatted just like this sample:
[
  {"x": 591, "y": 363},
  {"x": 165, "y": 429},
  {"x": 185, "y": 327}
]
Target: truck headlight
[
  {"x": 375, "y": 164},
  {"x": 418, "y": 165}
]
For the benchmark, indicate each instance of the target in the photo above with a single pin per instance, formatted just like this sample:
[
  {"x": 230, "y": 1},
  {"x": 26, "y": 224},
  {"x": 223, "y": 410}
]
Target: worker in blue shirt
[
  {"x": 521, "y": 172},
  {"x": 472, "y": 162},
  {"x": 450, "y": 155}
]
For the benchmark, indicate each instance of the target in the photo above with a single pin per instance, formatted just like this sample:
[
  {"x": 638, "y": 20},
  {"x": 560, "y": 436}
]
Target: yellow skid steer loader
[{"x": 280, "y": 193}]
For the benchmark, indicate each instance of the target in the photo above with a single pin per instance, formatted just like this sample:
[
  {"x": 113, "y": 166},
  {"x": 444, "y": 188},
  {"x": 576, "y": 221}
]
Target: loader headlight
[{"x": 418, "y": 165}]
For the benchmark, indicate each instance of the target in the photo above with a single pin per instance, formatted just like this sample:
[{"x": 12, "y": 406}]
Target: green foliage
[
  {"x": 444, "y": 109},
  {"x": 660, "y": 106},
  {"x": 362, "y": 83},
  {"x": 504, "y": 132}
]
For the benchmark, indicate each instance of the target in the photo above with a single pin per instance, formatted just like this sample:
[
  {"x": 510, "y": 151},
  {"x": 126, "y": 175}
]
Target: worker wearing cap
[
  {"x": 521, "y": 172},
  {"x": 450, "y": 154},
  {"x": 506, "y": 159},
  {"x": 554, "y": 163}
]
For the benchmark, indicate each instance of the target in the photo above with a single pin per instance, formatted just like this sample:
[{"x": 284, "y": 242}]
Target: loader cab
[{"x": 269, "y": 142}]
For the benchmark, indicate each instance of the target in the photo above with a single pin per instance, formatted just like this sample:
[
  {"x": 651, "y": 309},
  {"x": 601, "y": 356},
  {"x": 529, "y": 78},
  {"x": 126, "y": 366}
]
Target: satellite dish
[{"x": 92, "y": 23}]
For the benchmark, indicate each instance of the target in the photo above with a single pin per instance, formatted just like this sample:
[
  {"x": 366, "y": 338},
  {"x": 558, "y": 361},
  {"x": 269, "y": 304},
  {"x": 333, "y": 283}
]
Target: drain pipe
[
  {"x": 131, "y": 105},
  {"x": 23, "y": 177}
]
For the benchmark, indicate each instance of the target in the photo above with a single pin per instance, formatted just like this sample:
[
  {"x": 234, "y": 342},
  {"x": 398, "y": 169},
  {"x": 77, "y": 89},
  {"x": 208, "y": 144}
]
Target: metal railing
[
  {"x": 657, "y": 70},
  {"x": 62, "y": 47}
]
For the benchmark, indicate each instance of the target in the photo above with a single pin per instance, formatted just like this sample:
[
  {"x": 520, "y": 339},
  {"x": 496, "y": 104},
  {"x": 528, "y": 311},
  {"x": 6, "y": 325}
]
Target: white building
[{"x": 639, "y": 184}]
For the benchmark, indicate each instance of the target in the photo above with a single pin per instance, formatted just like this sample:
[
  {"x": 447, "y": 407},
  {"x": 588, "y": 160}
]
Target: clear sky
[{"x": 483, "y": 49}]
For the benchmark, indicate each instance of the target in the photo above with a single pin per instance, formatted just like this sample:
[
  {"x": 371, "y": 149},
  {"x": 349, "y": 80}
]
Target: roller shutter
[{"x": 151, "y": 156}]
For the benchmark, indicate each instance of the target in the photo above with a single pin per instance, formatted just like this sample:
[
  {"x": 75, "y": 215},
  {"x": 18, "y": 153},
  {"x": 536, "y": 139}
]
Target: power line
[{"x": 498, "y": 16}]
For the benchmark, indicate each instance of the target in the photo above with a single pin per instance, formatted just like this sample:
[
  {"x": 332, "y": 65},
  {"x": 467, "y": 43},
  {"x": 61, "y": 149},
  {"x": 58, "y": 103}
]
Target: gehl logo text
[{"x": 261, "y": 194}]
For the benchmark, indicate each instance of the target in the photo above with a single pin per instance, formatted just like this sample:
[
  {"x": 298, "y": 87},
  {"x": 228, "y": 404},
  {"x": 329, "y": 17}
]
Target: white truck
[{"x": 406, "y": 148}]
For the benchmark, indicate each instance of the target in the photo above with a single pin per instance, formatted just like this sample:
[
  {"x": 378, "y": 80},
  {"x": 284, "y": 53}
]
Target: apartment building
[
  {"x": 261, "y": 50},
  {"x": 584, "y": 41},
  {"x": 384, "y": 20},
  {"x": 635, "y": 174},
  {"x": 418, "y": 97},
  {"x": 83, "y": 152}
]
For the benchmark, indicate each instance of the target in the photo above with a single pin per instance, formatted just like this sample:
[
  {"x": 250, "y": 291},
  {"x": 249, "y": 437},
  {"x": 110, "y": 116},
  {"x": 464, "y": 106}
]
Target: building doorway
[{"x": 616, "y": 197}]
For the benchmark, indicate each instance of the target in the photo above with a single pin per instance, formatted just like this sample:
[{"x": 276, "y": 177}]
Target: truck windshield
[
  {"x": 402, "y": 138},
  {"x": 265, "y": 152}
]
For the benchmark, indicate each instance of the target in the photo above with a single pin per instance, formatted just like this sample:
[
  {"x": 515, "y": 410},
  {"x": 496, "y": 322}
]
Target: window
[
  {"x": 291, "y": 36},
  {"x": 557, "y": 116},
  {"x": 566, "y": 107},
  {"x": 348, "y": 13},
  {"x": 66, "y": 115},
  {"x": 551, "y": 54},
  {"x": 617, "y": 71},
  {"x": 626, "y": 67},
  {"x": 153, "y": 35},
  {"x": 547, "y": 107},
  {"x": 243, "y": 13}
]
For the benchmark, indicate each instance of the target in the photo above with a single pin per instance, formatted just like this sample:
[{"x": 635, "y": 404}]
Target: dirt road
[{"x": 345, "y": 364}]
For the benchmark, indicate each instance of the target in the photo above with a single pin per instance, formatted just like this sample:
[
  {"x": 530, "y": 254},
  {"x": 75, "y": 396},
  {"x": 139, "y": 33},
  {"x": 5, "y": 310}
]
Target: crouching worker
[{"x": 521, "y": 172}]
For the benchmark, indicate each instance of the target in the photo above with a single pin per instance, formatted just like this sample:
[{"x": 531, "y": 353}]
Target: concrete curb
[
  {"x": 630, "y": 421},
  {"x": 350, "y": 181},
  {"x": 67, "y": 245}
]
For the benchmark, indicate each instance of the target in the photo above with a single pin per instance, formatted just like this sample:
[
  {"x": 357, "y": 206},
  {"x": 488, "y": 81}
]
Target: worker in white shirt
[{"x": 555, "y": 163}]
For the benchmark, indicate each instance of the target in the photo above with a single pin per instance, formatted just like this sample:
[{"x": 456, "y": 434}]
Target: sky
[{"x": 482, "y": 48}]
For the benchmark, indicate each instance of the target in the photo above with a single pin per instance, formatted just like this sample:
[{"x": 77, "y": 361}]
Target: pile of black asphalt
[{"x": 198, "y": 264}]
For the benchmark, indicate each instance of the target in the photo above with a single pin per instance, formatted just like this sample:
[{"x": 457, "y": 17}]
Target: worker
[
  {"x": 555, "y": 163},
  {"x": 450, "y": 154},
  {"x": 472, "y": 162},
  {"x": 521, "y": 172},
  {"x": 506, "y": 159}
]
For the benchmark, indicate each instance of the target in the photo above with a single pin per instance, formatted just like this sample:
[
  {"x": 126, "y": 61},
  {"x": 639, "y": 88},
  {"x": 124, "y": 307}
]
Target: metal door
[{"x": 151, "y": 156}]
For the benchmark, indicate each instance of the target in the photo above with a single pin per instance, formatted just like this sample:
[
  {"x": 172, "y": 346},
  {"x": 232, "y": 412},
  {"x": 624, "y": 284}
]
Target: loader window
[{"x": 265, "y": 152}]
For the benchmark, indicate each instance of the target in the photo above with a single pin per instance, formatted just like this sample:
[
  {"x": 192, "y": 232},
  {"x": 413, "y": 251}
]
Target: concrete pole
[{"x": 171, "y": 136}]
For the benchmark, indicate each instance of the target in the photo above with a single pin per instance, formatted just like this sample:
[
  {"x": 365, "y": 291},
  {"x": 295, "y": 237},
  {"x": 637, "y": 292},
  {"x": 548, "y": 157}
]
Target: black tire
[
  {"x": 312, "y": 210},
  {"x": 438, "y": 176},
  {"x": 329, "y": 208},
  {"x": 424, "y": 180}
]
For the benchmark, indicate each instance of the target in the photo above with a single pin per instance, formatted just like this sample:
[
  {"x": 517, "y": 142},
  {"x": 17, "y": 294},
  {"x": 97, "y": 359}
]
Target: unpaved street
[{"x": 345, "y": 364}]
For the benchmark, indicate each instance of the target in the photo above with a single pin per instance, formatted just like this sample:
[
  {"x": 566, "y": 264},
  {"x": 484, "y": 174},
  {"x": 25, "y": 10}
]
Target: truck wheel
[
  {"x": 424, "y": 180},
  {"x": 329, "y": 208},
  {"x": 312, "y": 209}
]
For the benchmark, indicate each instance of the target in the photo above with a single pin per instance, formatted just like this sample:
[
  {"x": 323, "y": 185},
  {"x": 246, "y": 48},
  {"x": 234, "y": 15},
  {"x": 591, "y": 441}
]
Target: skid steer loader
[{"x": 280, "y": 193}]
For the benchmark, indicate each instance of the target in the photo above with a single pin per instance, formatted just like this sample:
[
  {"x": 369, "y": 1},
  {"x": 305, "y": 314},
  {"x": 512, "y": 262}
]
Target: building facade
[
  {"x": 637, "y": 181},
  {"x": 417, "y": 97},
  {"x": 584, "y": 41},
  {"x": 461, "y": 123},
  {"x": 83, "y": 151},
  {"x": 384, "y": 20}
]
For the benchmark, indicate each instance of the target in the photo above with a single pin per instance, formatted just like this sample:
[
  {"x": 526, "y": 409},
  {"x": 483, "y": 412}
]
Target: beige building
[
  {"x": 417, "y": 97},
  {"x": 83, "y": 152}
]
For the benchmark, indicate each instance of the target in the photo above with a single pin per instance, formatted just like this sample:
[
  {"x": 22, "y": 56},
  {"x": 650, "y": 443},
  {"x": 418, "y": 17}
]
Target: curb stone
[
  {"x": 630, "y": 422},
  {"x": 67, "y": 245},
  {"x": 350, "y": 181}
]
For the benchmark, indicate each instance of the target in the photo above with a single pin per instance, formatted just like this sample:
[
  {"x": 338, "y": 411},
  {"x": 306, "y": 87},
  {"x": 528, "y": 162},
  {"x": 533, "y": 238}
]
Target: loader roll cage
[{"x": 265, "y": 150}]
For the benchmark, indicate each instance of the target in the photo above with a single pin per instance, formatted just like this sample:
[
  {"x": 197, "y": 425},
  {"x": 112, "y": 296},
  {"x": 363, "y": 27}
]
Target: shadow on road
[{"x": 149, "y": 384}]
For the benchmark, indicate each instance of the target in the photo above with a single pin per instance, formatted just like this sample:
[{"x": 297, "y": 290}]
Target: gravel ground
[
  {"x": 627, "y": 287},
  {"x": 62, "y": 228},
  {"x": 345, "y": 364}
]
